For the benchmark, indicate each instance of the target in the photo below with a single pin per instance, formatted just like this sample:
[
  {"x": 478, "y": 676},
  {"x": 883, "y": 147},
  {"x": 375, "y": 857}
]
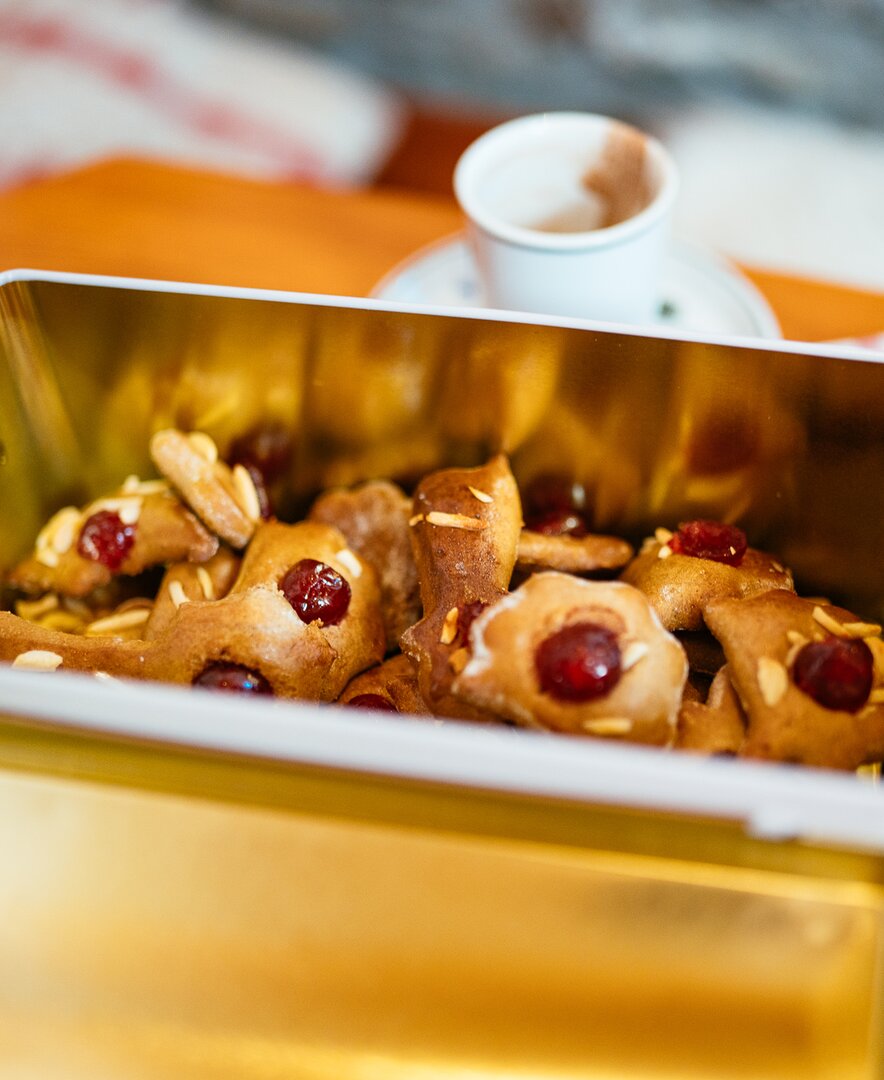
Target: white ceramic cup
[{"x": 568, "y": 213}]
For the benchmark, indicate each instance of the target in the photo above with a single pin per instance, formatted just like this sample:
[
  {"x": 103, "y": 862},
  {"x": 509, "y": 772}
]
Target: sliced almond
[
  {"x": 455, "y": 521},
  {"x": 415, "y": 519},
  {"x": 119, "y": 620},
  {"x": 132, "y": 485},
  {"x": 246, "y": 493},
  {"x": 773, "y": 680},
  {"x": 608, "y": 725},
  {"x": 827, "y": 622},
  {"x": 204, "y": 445},
  {"x": 349, "y": 559},
  {"x": 634, "y": 651},
  {"x": 449, "y": 627},
  {"x": 459, "y": 660},
  {"x": 482, "y": 496},
  {"x": 33, "y": 609},
  {"x": 861, "y": 629},
  {"x": 37, "y": 660},
  {"x": 202, "y": 576},
  {"x": 662, "y": 536},
  {"x": 177, "y": 594},
  {"x": 664, "y": 552}
]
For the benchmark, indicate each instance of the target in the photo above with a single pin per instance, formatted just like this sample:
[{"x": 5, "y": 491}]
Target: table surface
[{"x": 148, "y": 219}]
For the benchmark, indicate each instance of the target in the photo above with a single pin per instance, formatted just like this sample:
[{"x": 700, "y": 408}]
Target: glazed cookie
[
  {"x": 140, "y": 526},
  {"x": 225, "y": 499},
  {"x": 681, "y": 572},
  {"x": 390, "y": 687},
  {"x": 716, "y": 726},
  {"x": 579, "y": 657},
  {"x": 809, "y": 675},
  {"x": 465, "y": 534},
  {"x": 374, "y": 518}
]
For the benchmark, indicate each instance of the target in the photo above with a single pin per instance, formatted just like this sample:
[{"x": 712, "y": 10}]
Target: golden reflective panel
[
  {"x": 153, "y": 934},
  {"x": 147, "y": 935}
]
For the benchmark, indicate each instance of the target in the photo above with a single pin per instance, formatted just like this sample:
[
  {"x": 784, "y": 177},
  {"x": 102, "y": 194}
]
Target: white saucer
[{"x": 702, "y": 293}]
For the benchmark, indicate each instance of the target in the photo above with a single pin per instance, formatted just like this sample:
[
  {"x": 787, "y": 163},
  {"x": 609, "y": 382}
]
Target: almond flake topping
[
  {"x": 862, "y": 629},
  {"x": 177, "y": 594},
  {"x": 346, "y": 556},
  {"x": 202, "y": 576},
  {"x": 247, "y": 495},
  {"x": 122, "y": 620},
  {"x": 132, "y": 485},
  {"x": 57, "y": 535},
  {"x": 664, "y": 552},
  {"x": 795, "y": 637},
  {"x": 204, "y": 445},
  {"x": 128, "y": 508},
  {"x": 416, "y": 519},
  {"x": 449, "y": 627},
  {"x": 634, "y": 651},
  {"x": 459, "y": 660},
  {"x": 103, "y": 676},
  {"x": 827, "y": 622},
  {"x": 662, "y": 536},
  {"x": 33, "y": 609},
  {"x": 455, "y": 521},
  {"x": 773, "y": 680},
  {"x": 877, "y": 647},
  {"x": 482, "y": 496},
  {"x": 37, "y": 660},
  {"x": 608, "y": 725}
]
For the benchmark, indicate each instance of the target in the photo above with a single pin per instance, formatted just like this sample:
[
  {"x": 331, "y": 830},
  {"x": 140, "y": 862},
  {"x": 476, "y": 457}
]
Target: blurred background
[{"x": 774, "y": 109}]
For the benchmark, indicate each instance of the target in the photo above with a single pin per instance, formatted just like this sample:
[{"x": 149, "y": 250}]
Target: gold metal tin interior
[{"x": 181, "y": 913}]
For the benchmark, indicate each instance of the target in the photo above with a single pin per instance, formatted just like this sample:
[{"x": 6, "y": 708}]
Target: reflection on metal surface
[
  {"x": 313, "y": 923},
  {"x": 790, "y": 446},
  {"x": 230, "y": 942}
]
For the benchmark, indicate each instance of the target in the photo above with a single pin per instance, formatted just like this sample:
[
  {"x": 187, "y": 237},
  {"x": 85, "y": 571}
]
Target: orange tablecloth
[{"x": 140, "y": 219}]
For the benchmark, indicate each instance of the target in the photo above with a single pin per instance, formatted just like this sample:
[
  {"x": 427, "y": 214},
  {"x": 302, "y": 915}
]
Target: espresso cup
[{"x": 568, "y": 213}]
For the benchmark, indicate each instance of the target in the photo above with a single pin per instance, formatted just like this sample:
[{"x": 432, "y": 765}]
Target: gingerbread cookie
[
  {"x": 140, "y": 526},
  {"x": 682, "y": 572},
  {"x": 374, "y": 518},
  {"x": 716, "y": 725},
  {"x": 225, "y": 499},
  {"x": 810, "y": 677},
  {"x": 465, "y": 534},
  {"x": 579, "y": 657},
  {"x": 185, "y": 581},
  {"x": 390, "y": 687}
]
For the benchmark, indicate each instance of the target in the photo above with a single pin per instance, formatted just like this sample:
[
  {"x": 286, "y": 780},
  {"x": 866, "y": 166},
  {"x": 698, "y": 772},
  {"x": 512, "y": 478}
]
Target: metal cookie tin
[{"x": 212, "y": 888}]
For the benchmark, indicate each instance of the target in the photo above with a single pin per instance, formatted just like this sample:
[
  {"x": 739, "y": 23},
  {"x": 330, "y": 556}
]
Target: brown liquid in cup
[{"x": 618, "y": 183}]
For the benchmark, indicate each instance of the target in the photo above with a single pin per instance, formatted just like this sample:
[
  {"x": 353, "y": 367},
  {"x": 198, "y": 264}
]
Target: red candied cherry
[
  {"x": 557, "y": 523},
  {"x": 371, "y": 701},
  {"x": 232, "y": 677},
  {"x": 316, "y": 591},
  {"x": 836, "y": 672},
  {"x": 268, "y": 449},
  {"x": 553, "y": 491},
  {"x": 106, "y": 539},
  {"x": 581, "y": 662},
  {"x": 710, "y": 540}
]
